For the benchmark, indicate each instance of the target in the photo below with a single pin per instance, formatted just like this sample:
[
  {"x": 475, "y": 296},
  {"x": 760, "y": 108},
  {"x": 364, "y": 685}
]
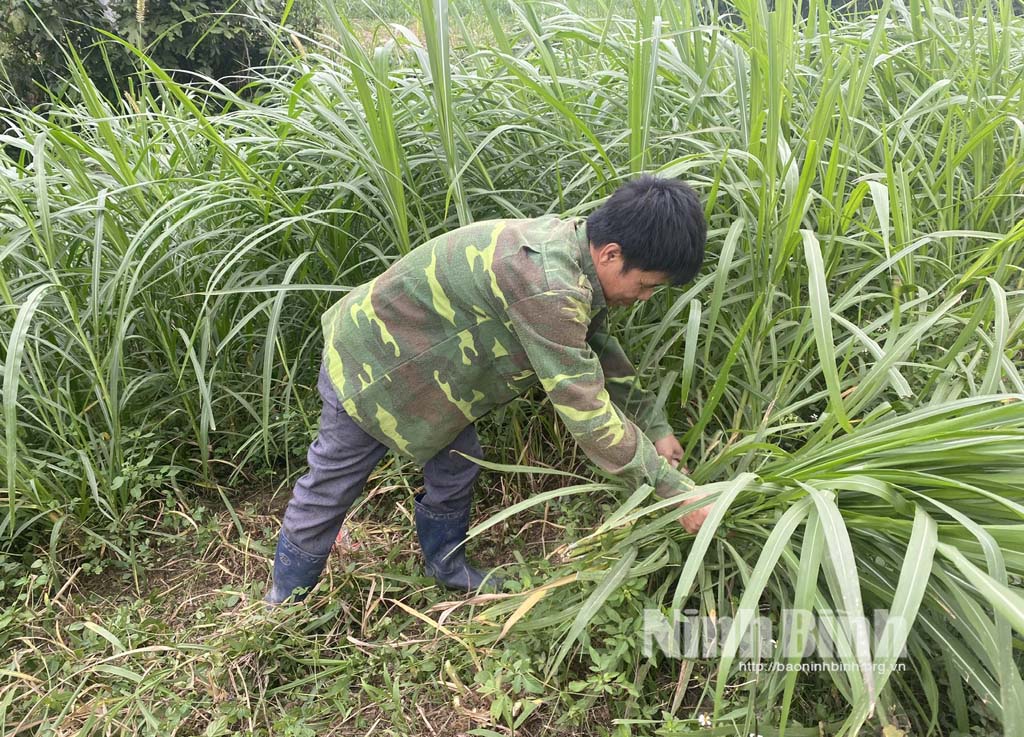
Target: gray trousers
[{"x": 342, "y": 458}]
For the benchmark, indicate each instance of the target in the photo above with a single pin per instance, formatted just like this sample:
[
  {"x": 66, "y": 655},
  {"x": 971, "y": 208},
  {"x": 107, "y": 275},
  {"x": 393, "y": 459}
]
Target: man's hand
[
  {"x": 670, "y": 449},
  {"x": 692, "y": 521}
]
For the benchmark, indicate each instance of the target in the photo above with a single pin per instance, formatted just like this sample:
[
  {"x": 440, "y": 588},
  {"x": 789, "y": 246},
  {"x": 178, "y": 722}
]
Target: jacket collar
[{"x": 597, "y": 301}]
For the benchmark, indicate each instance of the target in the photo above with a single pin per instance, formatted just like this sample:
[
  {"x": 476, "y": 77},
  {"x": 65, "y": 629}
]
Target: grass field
[{"x": 846, "y": 375}]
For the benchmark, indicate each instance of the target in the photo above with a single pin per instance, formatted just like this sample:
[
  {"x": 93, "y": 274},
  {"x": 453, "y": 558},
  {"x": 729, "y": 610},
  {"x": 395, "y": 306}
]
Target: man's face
[{"x": 624, "y": 288}]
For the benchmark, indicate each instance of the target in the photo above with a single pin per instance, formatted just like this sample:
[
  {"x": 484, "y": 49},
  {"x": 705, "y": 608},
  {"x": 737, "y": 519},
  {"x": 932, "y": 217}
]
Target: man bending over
[{"x": 467, "y": 322}]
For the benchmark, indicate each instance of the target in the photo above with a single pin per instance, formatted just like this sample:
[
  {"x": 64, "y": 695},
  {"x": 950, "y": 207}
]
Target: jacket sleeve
[
  {"x": 623, "y": 384},
  {"x": 552, "y": 327}
]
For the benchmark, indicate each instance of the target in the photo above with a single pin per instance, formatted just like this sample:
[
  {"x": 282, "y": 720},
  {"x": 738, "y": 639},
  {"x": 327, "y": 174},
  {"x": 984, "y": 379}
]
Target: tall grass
[{"x": 856, "y": 345}]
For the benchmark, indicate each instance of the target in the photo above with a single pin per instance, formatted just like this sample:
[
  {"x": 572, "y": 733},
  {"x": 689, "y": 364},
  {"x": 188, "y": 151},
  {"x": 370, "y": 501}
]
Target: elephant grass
[{"x": 846, "y": 374}]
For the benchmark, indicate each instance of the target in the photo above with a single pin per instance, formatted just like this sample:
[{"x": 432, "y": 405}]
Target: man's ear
[{"x": 608, "y": 254}]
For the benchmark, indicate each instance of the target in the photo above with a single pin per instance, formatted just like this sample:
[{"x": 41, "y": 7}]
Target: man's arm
[
  {"x": 624, "y": 385},
  {"x": 627, "y": 393},
  {"x": 552, "y": 328}
]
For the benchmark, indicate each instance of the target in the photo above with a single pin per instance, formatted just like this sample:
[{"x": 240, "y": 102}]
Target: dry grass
[{"x": 198, "y": 600}]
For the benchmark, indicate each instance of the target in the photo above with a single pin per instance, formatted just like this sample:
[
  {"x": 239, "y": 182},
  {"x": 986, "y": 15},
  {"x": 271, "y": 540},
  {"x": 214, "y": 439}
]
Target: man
[{"x": 467, "y": 322}]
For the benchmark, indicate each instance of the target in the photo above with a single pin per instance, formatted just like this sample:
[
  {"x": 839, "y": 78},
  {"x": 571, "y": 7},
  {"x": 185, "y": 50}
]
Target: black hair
[{"x": 658, "y": 223}]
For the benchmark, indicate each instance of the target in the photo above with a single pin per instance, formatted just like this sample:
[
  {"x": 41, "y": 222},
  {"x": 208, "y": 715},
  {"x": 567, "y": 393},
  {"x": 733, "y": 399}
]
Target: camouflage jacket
[{"x": 472, "y": 319}]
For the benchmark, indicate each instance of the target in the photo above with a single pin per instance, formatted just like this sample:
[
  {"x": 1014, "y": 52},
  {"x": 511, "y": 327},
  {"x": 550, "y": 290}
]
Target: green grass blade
[
  {"x": 821, "y": 315},
  {"x": 12, "y": 380},
  {"x": 611, "y": 581}
]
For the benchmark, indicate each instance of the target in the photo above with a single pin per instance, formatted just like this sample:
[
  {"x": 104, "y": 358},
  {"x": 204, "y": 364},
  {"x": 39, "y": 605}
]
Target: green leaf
[
  {"x": 822, "y": 318},
  {"x": 610, "y": 582}
]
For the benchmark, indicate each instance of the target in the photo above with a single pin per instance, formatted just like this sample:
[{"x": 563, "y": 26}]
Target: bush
[
  {"x": 30, "y": 54},
  {"x": 186, "y": 36}
]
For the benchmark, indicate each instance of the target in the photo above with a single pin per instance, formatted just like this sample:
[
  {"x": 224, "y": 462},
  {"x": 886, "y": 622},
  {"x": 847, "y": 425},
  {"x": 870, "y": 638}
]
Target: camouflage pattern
[{"x": 473, "y": 319}]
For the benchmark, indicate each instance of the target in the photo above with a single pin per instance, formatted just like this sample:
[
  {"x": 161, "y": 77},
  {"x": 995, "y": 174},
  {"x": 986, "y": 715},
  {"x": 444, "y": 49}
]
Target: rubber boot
[
  {"x": 294, "y": 568},
  {"x": 440, "y": 534}
]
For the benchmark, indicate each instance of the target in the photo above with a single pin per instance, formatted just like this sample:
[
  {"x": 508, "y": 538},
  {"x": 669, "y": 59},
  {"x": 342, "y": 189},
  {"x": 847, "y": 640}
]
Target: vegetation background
[{"x": 182, "y": 193}]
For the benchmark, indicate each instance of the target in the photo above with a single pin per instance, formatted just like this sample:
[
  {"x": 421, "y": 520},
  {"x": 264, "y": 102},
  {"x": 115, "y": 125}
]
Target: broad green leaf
[
  {"x": 611, "y": 581},
  {"x": 821, "y": 314}
]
